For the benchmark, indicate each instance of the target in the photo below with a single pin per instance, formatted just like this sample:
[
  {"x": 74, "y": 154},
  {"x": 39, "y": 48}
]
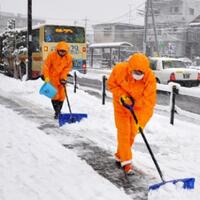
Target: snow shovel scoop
[
  {"x": 188, "y": 183},
  {"x": 70, "y": 117}
]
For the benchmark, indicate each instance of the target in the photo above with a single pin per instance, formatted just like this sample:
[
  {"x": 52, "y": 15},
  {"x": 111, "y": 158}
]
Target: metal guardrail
[{"x": 173, "y": 89}]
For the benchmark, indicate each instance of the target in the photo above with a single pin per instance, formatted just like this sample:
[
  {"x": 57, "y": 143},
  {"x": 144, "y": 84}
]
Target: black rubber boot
[
  {"x": 57, "y": 105},
  {"x": 54, "y": 103}
]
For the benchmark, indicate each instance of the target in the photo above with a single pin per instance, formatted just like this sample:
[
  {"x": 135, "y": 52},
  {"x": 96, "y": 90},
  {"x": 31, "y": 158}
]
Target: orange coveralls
[
  {"x": 142, "y": 91},
  {"x": 56, "y": 68}
]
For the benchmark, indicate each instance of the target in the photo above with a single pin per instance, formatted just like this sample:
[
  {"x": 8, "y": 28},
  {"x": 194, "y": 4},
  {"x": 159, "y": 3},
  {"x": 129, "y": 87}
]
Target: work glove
[
  {"x": 138, "y": 127},
  {"x": 127, "y": 101},
  {"x": 46, "y": 79},
  {"x": 63, "y": 82}
]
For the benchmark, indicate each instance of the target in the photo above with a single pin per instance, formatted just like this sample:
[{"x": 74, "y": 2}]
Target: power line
[{"x": 126, "y": 14}]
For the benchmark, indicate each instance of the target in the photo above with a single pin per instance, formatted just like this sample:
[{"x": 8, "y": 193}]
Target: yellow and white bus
[{"x": 44, "y": 39}]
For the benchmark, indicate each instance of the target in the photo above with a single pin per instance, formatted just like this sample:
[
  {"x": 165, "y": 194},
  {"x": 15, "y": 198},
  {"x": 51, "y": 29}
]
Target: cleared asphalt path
[{"x": 99, "y": 159}]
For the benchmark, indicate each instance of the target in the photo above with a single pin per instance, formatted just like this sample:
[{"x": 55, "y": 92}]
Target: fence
[{"x": 173, "y": 90}]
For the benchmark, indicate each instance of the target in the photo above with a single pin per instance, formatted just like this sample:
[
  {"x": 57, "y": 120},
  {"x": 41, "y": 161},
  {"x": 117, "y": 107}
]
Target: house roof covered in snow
[
  {"x": 195, "y": 22},
  {"x": 110, "y": 44}
]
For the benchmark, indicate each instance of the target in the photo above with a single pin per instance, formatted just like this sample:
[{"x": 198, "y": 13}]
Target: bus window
[
  {"x": 35, "y": 43},
  {"x": 69, "y": 34}
]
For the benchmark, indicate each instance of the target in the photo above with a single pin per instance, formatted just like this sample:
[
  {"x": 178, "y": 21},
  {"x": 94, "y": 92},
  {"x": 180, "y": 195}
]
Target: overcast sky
[{"x": 96, "y": 11}]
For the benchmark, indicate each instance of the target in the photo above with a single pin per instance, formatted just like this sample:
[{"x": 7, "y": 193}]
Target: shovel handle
[
  {"x": 67, "y": 99},
  {"x": 146, "y": 142},
  {"x": 152, "y": 155}
]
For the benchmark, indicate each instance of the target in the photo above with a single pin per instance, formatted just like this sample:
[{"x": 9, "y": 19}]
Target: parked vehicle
[
  {"x": 197, "y": 67},
  {"x": 187, "y": 61},
  {"x": 13, "y": 48},
  {"x": 174, "y": 70}
]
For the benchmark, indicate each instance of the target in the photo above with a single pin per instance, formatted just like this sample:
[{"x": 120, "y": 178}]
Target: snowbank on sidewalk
[
  {"x": 177, "y": 148},
  {"x": 34, "y": 166}
]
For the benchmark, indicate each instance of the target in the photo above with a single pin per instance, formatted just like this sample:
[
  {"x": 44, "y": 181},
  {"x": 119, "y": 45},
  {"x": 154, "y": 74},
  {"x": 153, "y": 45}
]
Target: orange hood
[
  {"x": 62, "y": 46},
  {"x": 139, "y": 61}
]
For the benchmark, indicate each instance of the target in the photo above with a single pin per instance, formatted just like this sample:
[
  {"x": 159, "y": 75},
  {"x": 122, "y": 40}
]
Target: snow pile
[
  {"x": 35, "y": 166},
  {"x": 176, "y": 148},
  {"x": 173, "y": 192}
]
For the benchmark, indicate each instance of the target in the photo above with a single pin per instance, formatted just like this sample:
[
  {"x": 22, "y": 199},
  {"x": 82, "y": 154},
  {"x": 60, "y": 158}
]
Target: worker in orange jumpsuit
[
  {"x": 55, "y": 70},
  {"x": 131, "y": 80}
]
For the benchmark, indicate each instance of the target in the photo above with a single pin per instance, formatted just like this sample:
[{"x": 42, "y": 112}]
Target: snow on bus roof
[
  {"x": 54, "y": 24},
  {"x": 38, "y": 26}
]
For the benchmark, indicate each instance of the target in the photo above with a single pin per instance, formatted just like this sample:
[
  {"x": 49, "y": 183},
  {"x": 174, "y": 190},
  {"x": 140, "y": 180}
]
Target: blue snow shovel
[
  {"x": 188, "y": 183},
  {"x": 70, "y": 117}
]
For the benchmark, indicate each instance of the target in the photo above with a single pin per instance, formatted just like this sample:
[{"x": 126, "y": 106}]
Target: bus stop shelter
[{"x": 108, "y": 54}]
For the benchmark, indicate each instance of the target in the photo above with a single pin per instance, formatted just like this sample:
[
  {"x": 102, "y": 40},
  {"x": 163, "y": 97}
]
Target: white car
[
  {"x": 174, "y": 70},
  {"x": 195, "y": 67}
]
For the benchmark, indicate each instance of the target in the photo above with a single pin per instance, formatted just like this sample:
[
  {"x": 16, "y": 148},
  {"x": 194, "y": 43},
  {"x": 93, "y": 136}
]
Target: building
[
  {"x": 20, "y": 20},
  {"x": 172, "y": 18},
  {"x": 119, "y": 32},
  {"x": 193, "y": 39}
]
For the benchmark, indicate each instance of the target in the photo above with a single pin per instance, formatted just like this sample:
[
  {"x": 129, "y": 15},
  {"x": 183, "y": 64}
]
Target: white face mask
[{"x": 138, "y": 77}]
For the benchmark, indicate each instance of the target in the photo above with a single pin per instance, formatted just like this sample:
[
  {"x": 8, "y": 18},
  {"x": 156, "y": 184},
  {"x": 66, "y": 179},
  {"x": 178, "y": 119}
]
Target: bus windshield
[{"x": 70, "y": 34}]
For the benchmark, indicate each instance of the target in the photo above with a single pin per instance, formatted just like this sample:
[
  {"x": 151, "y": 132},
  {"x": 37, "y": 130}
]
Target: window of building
[
  {"x": 175, "y": 28},
  {"x": 156, "y": 11},
  {"x": 191, "y": 11},
  {"x": 35, "y": 43},
  {"x": 107, "y": 31},
  {"x": 159, "y": 32},
  {"x": 121, "y": 34},
  {"x": 174, "y": 10}
]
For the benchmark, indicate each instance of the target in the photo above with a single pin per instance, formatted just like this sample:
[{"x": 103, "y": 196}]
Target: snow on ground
[
  {"x": 35, "y": 166},
  {"x": 177, "y": 147},
  {"x": 94, "y": 73}
]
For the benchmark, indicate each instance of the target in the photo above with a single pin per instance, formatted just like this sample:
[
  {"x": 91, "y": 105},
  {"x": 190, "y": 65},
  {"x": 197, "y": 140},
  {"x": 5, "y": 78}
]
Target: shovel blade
[
  {"x": 188, "y": 183},
  {"x": 71, "y": 118}
]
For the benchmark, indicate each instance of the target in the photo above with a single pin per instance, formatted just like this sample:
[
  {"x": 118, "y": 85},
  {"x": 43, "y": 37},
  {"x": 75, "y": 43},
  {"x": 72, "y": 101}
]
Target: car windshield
[{"x": 173, "y": 64}]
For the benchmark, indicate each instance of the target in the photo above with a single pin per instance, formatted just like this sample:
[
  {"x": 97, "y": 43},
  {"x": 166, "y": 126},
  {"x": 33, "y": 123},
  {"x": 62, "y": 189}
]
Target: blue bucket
[{"x": 48, "y": 90}]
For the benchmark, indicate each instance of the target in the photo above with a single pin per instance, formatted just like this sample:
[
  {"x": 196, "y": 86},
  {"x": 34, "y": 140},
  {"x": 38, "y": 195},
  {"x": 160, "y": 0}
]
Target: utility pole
[
  {"x": 154, "y": 28},
  {"x": 29, "y": 36},
  {"x": 86, "y": 21},
  {"x": 147, "y": 7},
  {"x": 1, "y": 21},
  {"x": 75, "y": 22},
  {"x": 145, "y": 27}
]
